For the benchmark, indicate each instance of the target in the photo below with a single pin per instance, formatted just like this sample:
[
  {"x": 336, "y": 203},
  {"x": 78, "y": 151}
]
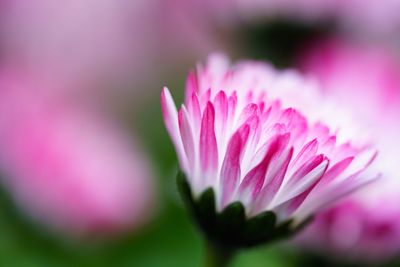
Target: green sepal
[
  {"x": 230, "y": 228},
  {"x": 205, "y": 209},
  {"x": 231, "y": 220},
  {"x": 260, "y": 228}
]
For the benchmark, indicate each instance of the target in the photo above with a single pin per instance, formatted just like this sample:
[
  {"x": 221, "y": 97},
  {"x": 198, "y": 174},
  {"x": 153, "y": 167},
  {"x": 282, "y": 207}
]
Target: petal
[
  {"x": 187, "y": 136},
  {"x": 194, "y": 110},
  {"x": 208, "y": 142},
  {"x": 191, "y": 85},
  {"x": 232, "y": 103},
  {"x": 221, "y": 116},
  {"x": 335, "y": 171},
  {"x": 260, "y": 153},
  {"x": 254, "y": 136},
  {"x": 309, "y": 150},
  {"x": 274, "y": 182},
  {"x": 169, "y": 112},
  {"x": 296, "y": 124},
  {"x": 321, "y": 132},
  {"x": 205, "y": 97},
  {"x": 170, "y": 116},
  {"x": 329, "y": 145},
  {"x": 361, "y": 161},
  {"x": 253, "y": 182},
  {"x": 249, "y": 111},
  {"x": 230, "y": 172},
  {"x": 289, "y": 207},
  {"x": 301, "y": 180},
  {"x": 324, "y": 194},
  {"x": 314, "y": 203}
]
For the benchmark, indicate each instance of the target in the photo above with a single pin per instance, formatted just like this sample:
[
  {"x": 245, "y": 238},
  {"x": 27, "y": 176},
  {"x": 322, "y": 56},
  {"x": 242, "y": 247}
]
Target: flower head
[{"x": 237, "y": 134}]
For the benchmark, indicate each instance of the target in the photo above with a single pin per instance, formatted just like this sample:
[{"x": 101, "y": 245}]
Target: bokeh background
[{"x": 87, "y": 168}]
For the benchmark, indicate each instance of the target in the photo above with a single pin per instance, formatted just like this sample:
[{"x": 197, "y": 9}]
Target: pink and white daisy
[{"x": 241, "y": 132}]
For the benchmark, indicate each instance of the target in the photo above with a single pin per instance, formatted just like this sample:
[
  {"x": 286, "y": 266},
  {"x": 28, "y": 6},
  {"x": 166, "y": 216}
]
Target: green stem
[{"x": 217, "y": 256}]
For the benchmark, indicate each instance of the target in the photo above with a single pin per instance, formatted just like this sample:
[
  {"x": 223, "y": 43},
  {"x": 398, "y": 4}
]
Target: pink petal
[
  {"x": 274, "y": 182},
  {"x": 315, "y": 202},
  {"x": 249, "y": 111},
  {"x": 232, "y": 103},
  {"x": 260, "y": 153},
  {"x": 335, "y": 170},
  {"x": 170, "y": 116},
  {"x": 321, "y": 132},
  {"x": 306, "y": 168},
  {"x": 302, "y": 179},
  {"x": 221, "y": 114},
  {"x": 208, "y": 142},
  {"x": 187, "y": 136},
  {"x": 191, "y": 85},
  {"x": 254, "y": 137},
  {"x": 289, "y": 207},
  {"x": 295, "y": 124},
  {"x": 254, "y": 180},
  {"x": 309, "y": 150},
  {"x": 323, "y": 195},
  {"x": 169, "y": 112},
  {"x": 194, "y": 110},
  {"x": 230, "y": 172},
  {"x": 205, "y": 97},
  {"x": 329, "y": 145}
]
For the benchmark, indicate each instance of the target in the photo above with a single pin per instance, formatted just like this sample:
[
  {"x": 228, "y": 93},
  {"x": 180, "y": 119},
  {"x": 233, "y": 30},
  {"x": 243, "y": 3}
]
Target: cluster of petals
[{"x": 236, "y": 134}]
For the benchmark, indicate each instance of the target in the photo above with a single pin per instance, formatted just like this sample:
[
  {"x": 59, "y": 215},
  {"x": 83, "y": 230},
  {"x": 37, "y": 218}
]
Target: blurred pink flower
[
  {"x": 366, "y": 81},
  {"x": 350, "y": 70},
  {"x": 103, "y": 48},
  {"x": 235, "y": 135},
  {"x": 69, "y": 167},
  {"x": 95, "y": 42}
]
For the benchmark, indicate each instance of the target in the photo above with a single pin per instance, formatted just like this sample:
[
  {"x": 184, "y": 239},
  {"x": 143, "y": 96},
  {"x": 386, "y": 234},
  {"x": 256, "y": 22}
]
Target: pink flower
[
  {"x": 79, "y": 43},
  {"x": 352, "y": 70},
  {"x": 366, "y": 81},
  {"x": 67, "y": 166},
  {"x": 237, "y": 134}
]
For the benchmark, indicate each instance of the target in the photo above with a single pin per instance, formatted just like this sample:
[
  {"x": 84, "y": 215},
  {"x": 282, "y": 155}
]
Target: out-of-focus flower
[
  {"x": 367, "y": 82},
  {"x": 79, "y": 43},
  {"x": 237, "y": 134},
  {"x": 105, "y": 49},
  {"x": 350, "y": 70},
  {"x": 67, "y": 166}
]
